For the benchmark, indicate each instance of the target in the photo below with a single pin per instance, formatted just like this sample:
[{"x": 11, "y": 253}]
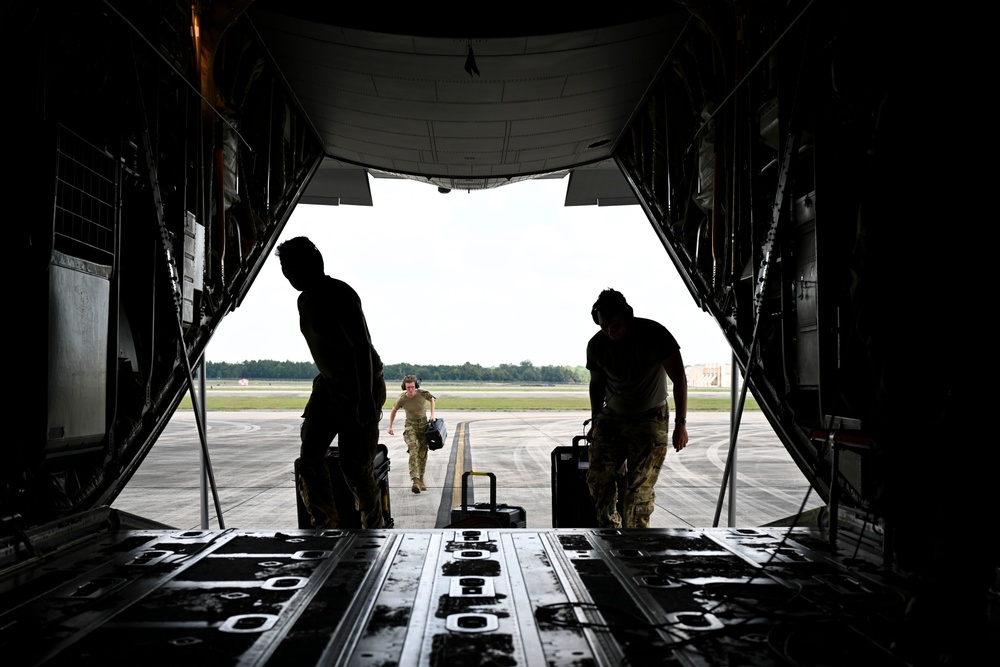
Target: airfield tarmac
[{"x": 252, "y": 455}]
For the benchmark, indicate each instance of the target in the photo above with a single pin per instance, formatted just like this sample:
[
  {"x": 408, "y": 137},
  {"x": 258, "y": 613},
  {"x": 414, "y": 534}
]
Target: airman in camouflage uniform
[
  {"x": 348, "y": 394},
  {"x": 324, "y": 418},
  {"x": 629, "y": 362},
  {"x": 642, "y": 442},
  {"x": 413, "y": 400}
]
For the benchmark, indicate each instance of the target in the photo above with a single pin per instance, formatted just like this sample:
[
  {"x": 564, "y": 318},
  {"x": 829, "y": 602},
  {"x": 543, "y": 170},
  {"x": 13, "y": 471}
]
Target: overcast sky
[{"x": 488, "y": 277}]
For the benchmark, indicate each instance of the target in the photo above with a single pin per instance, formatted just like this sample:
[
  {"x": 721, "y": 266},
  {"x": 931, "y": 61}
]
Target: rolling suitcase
[
  {"x": 572, "y": 505},
  {"x": 486, "y": 514},
  {"x": 346, "y": 511}
]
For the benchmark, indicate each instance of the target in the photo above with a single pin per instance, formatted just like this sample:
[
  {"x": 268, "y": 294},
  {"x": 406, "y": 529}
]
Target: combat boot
[
  {"x": 416, "y": 487},
  {"x": 420, "y": 483}
]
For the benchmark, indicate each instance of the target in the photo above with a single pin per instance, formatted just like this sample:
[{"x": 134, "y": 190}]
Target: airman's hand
[{"x": 680, "y": 437}]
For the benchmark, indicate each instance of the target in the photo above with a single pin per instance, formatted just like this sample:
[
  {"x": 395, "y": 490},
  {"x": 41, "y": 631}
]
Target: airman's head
[
  {"x": 301, "y": 262},
  {"x": 612, "y": 313}
]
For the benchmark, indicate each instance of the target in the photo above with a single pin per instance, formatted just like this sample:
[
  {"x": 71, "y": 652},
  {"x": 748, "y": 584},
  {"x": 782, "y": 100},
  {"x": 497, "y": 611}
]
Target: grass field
[{"x": 525, "y": 401}]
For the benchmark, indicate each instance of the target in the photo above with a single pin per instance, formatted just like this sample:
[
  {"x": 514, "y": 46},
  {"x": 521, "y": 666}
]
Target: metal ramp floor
[{"x": 477, "y": 596}]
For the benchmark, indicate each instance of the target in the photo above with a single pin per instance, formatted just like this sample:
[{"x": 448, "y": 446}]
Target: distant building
[{"x": 709, "y": 375}]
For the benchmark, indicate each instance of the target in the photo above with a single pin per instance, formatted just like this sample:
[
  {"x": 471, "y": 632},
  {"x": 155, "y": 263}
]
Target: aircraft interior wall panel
[
  {"x": 347, "y": 146},
  {"x": 806, "y": 306},
  {"x": 475, "y": 98},
  {"x": 79, "y": 303},
  {"x": 573, "y": 140},
  {"x": 455, "y": 130},
  {"x": 193, "y": 269},
  {"x": 485, "y": 170},
  {"x": 490, "y": 147},
  {"x": 401, "y": 88}
]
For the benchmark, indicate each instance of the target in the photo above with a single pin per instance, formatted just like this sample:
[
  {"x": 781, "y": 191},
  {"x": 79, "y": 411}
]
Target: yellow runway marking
[{"x": 459, "y": 465}]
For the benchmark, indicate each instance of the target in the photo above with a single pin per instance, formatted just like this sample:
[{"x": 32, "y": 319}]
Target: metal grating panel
[{"x": 85, "y": 198}]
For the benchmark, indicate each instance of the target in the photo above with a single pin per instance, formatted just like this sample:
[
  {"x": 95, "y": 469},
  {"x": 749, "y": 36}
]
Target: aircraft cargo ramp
[{"x": 469, "y": 596}]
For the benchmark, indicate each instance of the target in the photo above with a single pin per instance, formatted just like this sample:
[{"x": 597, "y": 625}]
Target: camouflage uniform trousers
[
  {"x": 323, "y": 419},
  {"x": 641, "y": 441},
  {"x": 416, "y": 446}
]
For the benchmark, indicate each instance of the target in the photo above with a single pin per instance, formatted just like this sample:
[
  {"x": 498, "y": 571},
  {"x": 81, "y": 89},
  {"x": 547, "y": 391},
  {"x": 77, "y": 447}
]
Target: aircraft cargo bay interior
[{"x": 788, "y": 158}]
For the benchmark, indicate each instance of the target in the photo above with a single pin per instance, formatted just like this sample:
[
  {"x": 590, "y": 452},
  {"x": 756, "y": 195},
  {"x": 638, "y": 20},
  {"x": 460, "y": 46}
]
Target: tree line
[{"x": 524, "y": 372}]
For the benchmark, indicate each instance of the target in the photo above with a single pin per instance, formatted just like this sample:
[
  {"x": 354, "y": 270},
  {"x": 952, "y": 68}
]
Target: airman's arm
[
  {"x": 674, "y": 366},
  {"x": 598, "y": 385},
  {"x": 392, "y": 418}
]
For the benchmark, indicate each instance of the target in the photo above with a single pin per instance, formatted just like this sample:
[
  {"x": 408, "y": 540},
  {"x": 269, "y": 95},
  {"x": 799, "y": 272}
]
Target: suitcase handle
[
  {"x": 577, "y": 439},
  {"x": 465, "y": 489}
]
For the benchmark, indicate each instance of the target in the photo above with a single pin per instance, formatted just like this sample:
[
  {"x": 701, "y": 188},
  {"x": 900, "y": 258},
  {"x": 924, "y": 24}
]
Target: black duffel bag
[{"x": 436, "y": 433}]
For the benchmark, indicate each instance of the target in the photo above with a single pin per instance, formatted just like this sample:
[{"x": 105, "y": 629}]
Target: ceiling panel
[{"x": 406, "y": 103}]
